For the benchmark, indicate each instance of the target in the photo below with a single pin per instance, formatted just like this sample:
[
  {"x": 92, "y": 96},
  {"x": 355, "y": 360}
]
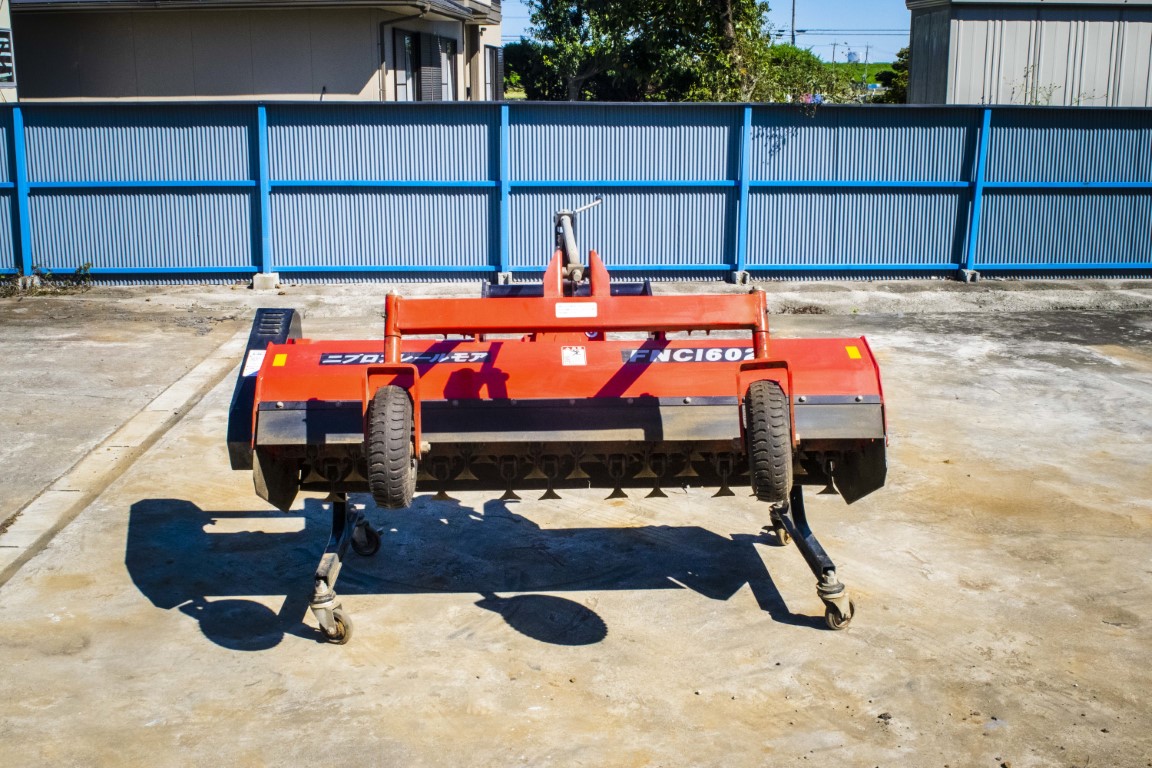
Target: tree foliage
[
  {"x": 896, "y": 79},
  {"x": 664, "y": 50},
  {"x": 788, "y": 73}
]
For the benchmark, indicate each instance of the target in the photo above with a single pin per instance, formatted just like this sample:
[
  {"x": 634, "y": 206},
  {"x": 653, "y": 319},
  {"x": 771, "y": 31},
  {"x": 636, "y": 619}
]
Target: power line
[
  {"x": 810, "y": 33},
  {"x": 851, "y": 31}
]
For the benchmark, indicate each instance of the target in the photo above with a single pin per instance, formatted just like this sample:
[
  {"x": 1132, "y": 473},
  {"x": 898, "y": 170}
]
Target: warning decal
[
  {"x": 573, "y": 356},
  {"x": 253, "y": 362}
]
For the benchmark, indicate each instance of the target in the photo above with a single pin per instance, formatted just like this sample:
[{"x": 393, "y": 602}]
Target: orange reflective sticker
[
  {"x": 853, "y": 352},
  {"x": 279, "y": 360}
]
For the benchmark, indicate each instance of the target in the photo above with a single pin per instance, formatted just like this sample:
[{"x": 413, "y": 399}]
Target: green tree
[
  {"x": 786, "y": 73},
  {"x": 896, "y": 79},
  {"x": 634, "y": 49},
  {"x": 665, "y": 50},
  {"x": 572, "y": 42}
]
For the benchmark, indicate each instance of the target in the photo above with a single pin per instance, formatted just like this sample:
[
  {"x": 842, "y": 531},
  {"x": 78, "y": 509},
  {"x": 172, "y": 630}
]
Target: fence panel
[
  {"x": 366, "y": 230},
  {"x": 654, "y": 229},
  {"x": 170, "y": 191},
  {"x": 623, "y": 142},
  {"x": 1068, "y": 190},
  {"x": 1075, "y": 146},
  {"x": 856, "y": 229},
  {"x": 142, "y": 231},
  {"x": 1066, "y": 229},
  {"x": 363, "y": 143},
  {"x": 8, "y": 263},
  {"x": 358, "y": 188},
  {"x": 139, "y": 189},
  {"x": 872, "y": 144},
  {"x": 133, "y": 143},
  {"x": 666, "y": 175}
]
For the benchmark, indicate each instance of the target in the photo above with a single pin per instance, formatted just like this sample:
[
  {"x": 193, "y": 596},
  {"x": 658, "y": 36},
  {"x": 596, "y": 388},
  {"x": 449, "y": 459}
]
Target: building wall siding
[
  {"x": 1026, "y": 53},
  {"x": 283, "y": 54},
  {"x": 929, "y": 37}
]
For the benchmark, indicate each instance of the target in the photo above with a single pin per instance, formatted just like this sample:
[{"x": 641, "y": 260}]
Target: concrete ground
[{"x": 1001, "y": 578}]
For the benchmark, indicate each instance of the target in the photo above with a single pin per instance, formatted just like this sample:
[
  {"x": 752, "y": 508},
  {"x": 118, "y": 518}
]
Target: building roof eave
[
  {"x": 916, "y": 5},
  {"x": 447, "y": 8}
]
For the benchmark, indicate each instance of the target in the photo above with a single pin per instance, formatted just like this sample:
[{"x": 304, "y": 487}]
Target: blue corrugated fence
[{"x": 202, "y": 190}]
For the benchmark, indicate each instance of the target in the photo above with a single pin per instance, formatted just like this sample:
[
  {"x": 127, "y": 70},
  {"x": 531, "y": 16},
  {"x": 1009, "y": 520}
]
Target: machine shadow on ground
[{"x": 177, "y": 560}]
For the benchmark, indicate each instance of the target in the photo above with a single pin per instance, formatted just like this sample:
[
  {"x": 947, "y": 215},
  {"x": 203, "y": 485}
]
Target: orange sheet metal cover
[{"x": 699, "y": 366}]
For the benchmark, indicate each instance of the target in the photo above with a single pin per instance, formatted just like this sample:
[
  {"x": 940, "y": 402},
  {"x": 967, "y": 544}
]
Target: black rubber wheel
[
  {"x": 835, "y": 620},
  {"x": 768, "y": 430},
  {"x": 391, "y": 454},
  {"x": 371, "y": 543},
  {"x": 343, "y": 627}
]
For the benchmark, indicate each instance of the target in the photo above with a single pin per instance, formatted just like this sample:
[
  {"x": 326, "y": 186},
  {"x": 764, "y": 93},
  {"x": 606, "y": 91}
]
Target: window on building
[
  {"x": 493, "y": 73},
  {"x": 406, "y": 87},
  {"x": 447, "y": 68},
  {"x": 7, "y": 60},
  {"x": 425, "y": 67}
]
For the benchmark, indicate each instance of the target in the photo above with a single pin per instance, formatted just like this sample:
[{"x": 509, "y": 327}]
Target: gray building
[
  {"x": 1051, "y": 52},
  {"x": 7, "y": 59},
  {"x": 383, "y": 50}
]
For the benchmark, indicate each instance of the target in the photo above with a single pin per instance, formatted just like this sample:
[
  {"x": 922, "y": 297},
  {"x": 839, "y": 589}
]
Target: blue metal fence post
[
  {"x": 739, "y": 273},
  {"x": 22, "y": 213},
  {"x": 264, "y": 192},
  {"x": 969, "y": 266},
  {"x": 504, "y": 269}
]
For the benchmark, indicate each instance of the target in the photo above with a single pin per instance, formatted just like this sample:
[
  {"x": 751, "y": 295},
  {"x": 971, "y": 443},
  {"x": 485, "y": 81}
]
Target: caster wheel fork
[
  {"x": 839, "y": 609},
  {"x": 790, "y": 522},
  {"x": 335, "y": 623},
  {"x": 783, "y": 538},
  {"x": 349, "y": 529},
  {"x": 837, "y": 620}
]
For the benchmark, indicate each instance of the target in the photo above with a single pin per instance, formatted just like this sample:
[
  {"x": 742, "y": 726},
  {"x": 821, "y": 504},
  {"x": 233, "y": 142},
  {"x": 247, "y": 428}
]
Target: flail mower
[{"x": 575, "y": 382}]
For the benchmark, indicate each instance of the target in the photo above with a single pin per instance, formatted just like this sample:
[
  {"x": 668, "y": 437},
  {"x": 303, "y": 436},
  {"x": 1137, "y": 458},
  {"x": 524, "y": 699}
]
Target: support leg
[
  {"x": 334, "y": 622},
  {"x": 837, "y": 604}
]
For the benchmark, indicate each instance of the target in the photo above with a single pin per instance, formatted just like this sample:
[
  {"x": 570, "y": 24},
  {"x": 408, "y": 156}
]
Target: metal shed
[{"x": 1041, "y": 52}]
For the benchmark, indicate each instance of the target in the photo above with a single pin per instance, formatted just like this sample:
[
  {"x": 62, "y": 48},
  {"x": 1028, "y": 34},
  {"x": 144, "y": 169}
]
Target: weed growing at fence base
[{"x": 43, "y": 281}]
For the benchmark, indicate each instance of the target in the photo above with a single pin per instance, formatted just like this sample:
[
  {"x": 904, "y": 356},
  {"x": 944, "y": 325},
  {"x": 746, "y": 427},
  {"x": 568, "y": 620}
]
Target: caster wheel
[
  {"x": 365, "y": 541},
  {"x": 782, "y": 536},
  {"x": 343, "y": 627},
  {"x": 836, "y": 620}
]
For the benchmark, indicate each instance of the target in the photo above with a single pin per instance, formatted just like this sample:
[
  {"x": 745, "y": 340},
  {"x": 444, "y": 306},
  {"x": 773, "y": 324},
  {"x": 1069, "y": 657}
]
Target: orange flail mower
[{"x": 573, "y": 383}]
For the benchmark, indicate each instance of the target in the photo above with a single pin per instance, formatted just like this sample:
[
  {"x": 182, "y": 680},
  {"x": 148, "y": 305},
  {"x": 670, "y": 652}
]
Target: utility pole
[
  {"x": 793, "y": 23},
  {"x": 834, "y": 52}
]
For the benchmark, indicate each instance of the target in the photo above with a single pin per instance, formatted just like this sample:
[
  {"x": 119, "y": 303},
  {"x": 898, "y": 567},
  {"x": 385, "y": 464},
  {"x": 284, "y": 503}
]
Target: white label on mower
[
  {"x": 573, "y": 309},
  {"x": 253, "y": 362},
  {"x": 573, "y": 356}
]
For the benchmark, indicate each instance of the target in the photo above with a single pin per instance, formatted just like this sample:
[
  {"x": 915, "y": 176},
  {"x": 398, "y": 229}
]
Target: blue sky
[{"x": 828, "y": 22}]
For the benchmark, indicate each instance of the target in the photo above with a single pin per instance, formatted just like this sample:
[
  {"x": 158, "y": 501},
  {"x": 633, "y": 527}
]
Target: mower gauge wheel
[
  {"x": 391, "y": 454},
  {"x": 768, "y": 431}
]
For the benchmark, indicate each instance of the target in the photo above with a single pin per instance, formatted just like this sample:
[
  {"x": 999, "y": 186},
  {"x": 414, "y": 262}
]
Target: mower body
[{"x": 561, "y": 385}]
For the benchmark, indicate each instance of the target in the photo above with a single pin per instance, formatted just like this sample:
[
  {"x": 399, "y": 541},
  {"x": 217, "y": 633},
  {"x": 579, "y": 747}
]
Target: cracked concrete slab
[{"x": 1000, "y": 578}]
